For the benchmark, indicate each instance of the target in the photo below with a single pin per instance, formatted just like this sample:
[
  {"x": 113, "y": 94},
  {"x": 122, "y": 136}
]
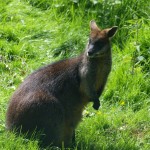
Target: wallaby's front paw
[{"x": 96, "y": 105}]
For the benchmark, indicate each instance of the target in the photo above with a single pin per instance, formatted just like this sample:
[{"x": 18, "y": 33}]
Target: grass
[{"x": 34, "y": 33}]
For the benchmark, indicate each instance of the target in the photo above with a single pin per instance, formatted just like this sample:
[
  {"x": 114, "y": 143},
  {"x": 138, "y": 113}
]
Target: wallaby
[{"x": 52, "y": 98}]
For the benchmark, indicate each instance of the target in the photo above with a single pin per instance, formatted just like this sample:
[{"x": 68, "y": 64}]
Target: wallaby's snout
[
  {"x": 99, "y": 43},
  {"x": 90, "y": 49}
]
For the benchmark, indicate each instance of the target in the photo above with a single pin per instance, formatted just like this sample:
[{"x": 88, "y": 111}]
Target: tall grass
[{"x": 37, "y": 32}]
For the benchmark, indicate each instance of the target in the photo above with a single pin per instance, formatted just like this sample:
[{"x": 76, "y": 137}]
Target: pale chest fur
[{"x": 93, "y": 74}]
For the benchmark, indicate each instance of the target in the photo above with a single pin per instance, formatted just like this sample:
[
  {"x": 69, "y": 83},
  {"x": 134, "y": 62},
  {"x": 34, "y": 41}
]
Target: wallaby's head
[{"x": 99, "y": 43}]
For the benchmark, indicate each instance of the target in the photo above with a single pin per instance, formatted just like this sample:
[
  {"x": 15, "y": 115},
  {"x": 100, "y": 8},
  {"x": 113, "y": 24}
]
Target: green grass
[{"x": 34, "y": 33}]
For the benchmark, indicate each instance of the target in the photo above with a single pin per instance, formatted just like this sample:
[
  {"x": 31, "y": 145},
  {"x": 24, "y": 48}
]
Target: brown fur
[{"x": 52, "y": 98}]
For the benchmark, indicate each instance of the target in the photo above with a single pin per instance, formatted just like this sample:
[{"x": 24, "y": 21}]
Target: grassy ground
[{"x": 34, "y": 33}]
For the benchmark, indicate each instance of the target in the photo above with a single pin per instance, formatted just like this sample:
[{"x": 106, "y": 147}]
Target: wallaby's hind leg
[
  {"x": 69, "y": 137},
  {"x": 62, "y": 134},
  {"x": 52, "y": 136},
  {"x": 52, "y": 120},
  {"x": 42, "y": 112}
]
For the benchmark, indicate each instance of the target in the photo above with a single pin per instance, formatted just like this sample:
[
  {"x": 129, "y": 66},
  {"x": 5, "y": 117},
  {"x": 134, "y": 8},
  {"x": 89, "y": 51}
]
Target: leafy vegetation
[{"x": 37, "y": 32}]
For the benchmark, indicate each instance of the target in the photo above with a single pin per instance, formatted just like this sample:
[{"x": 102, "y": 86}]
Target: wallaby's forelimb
[
  {"x": 96, "y": 104},
  {"x": 73, "y": 139},
  {"x": 96, "y": 101},
  {"x": 94, "y": 98}
]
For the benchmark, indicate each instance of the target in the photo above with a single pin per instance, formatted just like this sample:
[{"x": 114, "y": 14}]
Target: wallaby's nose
[{"x": 90, "y": 53}]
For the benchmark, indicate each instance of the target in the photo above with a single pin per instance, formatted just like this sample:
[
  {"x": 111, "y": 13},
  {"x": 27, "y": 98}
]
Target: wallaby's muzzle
[
  {"x": 96, "y": 51},
  {"x": 90, "y": 50}
]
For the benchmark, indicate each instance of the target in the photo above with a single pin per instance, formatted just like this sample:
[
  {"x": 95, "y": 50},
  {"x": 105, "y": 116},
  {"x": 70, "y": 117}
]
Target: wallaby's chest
[
  {"x": 93, "y": 76},
  {"x": 102, "y": 73},
  {"x": 98, "y": 72}
]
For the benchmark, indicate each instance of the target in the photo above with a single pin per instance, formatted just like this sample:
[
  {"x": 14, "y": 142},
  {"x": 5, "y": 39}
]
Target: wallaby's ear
[
  {"x": 93, "y": 26},
  {"x": 111, "y": 32}
]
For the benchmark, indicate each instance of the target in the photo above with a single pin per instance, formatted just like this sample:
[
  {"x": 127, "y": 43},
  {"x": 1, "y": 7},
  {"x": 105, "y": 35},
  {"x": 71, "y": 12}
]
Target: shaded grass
[{"x": 16, "y": 142}]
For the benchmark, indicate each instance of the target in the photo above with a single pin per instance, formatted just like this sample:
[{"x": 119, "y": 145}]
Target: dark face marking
[{"x": 97, "y": 47}]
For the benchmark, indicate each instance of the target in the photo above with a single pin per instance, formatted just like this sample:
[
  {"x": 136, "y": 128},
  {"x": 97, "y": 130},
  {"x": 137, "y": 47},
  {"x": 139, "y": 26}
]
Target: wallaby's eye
[{"x": 99, "y": 44}]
